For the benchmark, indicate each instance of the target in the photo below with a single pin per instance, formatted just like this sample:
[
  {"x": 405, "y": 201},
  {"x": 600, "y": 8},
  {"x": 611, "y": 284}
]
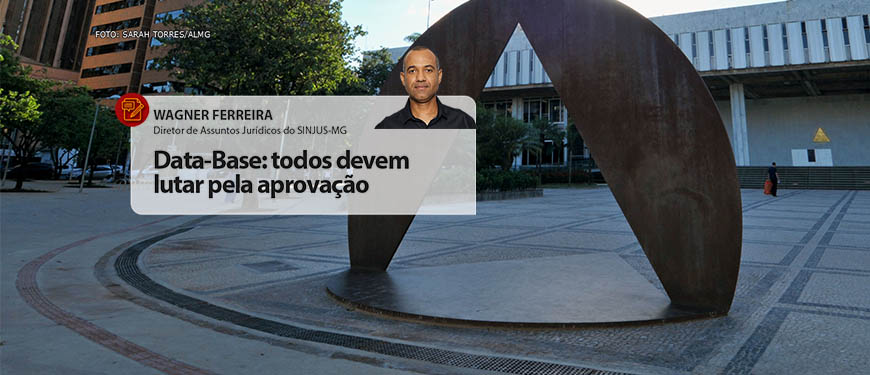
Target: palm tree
[
  {"x": 540, "y": 131},
  {"x": 500, "y": 139},
  {"x": 412, "y": 38}
]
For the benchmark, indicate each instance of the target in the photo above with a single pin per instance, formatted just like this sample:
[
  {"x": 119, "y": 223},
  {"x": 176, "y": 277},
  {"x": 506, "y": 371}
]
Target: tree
[
  {"x": 20, "y": 113},
  {"x": 369, "y": 76},
  {"x": 375, "y": 69},
  {"x": 500, "y": 139},
  {"x": 108, "y": 134},
  {"x": 412, "y": 38},
  {"x": 540, "y": 131},
  {"x": 70, "y": 111},
  {"x": 265, "y": 47},
  {"x": 19, "y": 109}
]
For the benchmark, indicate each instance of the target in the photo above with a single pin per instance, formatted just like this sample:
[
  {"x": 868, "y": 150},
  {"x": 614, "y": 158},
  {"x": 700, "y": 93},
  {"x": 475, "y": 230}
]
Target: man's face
[{"x": 421, "y": 75}]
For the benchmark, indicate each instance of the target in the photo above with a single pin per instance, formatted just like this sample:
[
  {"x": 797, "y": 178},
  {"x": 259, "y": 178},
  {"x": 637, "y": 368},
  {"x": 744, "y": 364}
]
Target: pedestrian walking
[{"x": 773, "y": 177}]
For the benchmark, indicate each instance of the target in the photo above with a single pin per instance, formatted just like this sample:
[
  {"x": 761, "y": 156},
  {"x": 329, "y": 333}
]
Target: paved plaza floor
[{"x": 90, "y": 287}]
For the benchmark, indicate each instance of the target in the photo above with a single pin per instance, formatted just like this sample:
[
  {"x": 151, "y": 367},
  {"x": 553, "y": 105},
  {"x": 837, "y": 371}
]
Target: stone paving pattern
[{"x": 802, "y": 301}]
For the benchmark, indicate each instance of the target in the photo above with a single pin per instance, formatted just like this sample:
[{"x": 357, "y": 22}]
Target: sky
[{"x": 389, "y": 21}]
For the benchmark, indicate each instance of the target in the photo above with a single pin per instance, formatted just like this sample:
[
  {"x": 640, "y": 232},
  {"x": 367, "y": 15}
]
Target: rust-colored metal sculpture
[{"x": 642, "y": 109}]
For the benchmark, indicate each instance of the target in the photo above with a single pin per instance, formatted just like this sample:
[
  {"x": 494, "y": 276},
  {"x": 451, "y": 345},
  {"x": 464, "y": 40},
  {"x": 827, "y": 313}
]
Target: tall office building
[
  {"x": 83, "y": 42},
  {"x": 50, "y": 34},
  {"x": 114, "y": 65}
]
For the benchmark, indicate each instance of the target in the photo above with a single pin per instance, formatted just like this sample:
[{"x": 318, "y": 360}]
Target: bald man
[{"x": 421, "y": 76}]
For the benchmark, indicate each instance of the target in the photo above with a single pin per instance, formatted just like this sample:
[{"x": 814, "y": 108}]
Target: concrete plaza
[{"x": 90, "y": 287}]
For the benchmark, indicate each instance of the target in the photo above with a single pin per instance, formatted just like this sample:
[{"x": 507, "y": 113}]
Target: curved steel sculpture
[{"x": 643, "y": 111}]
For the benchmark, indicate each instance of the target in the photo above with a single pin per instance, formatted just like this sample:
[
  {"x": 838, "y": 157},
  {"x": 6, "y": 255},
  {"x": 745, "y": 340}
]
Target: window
[
  {"x": 120, "y": 25},
  {"x": 784, "y": 38},
  {"x": 531, "y": 110},
  {"x": 728, "y": 44},
  {"x": 804, "y": 33},
  {"x": 694, "y": 45},
  {"x": 107, "y": 92},
  {"x": 155, "y": 43},
  {"x": 677, "y": 39},
  {"x": 118, "y": 5},
  {"x": 150, "y": 65},
  {"x": 824, "y": 32},
  {"x": 505, "y": 70},
  {"x": 542, "y": 108},
  {"x": 500, "y": 108},
  {"x": 166, "y": 16},
  {"x": 109, "y": 48},
  {"x": 766, "y": 43},
  {"x": 712, "y": 48},
  {"x": 866, "y": 29},
  {"x": 531, "y": 63},
  {"x": 845, "y": 31},
  {"x": 163, "y": 87},
  {"x": 106, "y": 70},
  {"x": 555, "y": 109},
  {"x": 811, "y": 156},
  {"x": 746, "y": 39}
]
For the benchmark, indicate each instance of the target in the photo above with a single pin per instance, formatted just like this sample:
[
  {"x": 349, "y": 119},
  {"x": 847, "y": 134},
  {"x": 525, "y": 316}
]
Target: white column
[{"x": 739, "y": 134}]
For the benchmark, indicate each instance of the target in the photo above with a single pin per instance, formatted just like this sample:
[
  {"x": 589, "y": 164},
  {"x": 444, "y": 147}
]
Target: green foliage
[
  {"x": 499, "y": 139},
  {"x": 540, "y": 131},
  {"x": 412, "y": 38},
  {"x": 109, "y": 132},
  {"x": 20, "y": 112},
  {"x": 69, "y": 112},
  {"x": 40, "y": 114},
  {"x": 373, "y": 71},
  {"x": 266, "y": 47},
  {"x": 560, "y": 176},
  {"x": 18, "y": 106},
  {"x": 17, "y": 110},
  {"x": 13, "y": 75},
  {"x": 502, "y": 180}
]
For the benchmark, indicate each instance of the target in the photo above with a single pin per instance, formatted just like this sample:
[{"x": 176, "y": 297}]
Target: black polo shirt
[{"x": 447, "y": 118}]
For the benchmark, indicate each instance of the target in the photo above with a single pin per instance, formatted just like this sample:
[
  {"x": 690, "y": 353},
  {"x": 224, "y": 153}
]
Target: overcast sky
[{"x": 389, "y": 21}]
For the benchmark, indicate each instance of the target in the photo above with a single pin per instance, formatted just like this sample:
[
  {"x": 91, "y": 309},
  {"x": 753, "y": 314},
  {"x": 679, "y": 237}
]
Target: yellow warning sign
[{"x": 821, "y": 137}]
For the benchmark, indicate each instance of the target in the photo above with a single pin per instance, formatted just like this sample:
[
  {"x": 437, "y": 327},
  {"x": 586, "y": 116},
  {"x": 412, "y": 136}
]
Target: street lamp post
[
  {"x": 428, "y": 12},
  {"x": 91, "y": 141},
  {"x": 7, "y": 158}
]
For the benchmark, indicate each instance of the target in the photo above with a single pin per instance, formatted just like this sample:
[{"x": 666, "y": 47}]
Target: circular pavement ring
[
  {"x": 28, "y": 288},
  {"x": 126, "y": 267}
]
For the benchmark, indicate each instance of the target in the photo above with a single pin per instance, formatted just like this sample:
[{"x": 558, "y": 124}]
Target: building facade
[
  {"x": 114, "y": 65},
  {"x": 84, "y": 42},
  {"x": 50, "y": 34},
  {"x": 791, "y": 80}
]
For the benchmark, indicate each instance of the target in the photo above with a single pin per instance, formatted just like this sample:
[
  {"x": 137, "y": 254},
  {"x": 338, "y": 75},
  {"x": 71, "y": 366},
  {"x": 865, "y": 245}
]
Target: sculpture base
[{"x": 554, "y": 291}]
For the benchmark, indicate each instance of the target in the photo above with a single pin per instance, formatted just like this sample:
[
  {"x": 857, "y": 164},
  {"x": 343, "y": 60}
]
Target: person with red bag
[{"x": 772, "y": 180}]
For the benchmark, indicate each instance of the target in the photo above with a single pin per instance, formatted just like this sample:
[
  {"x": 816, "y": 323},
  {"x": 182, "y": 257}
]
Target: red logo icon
[{"x": 131, "y": 109}]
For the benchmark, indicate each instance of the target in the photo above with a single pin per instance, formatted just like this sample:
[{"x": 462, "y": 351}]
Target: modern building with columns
[{"x": 791, "y": 80}]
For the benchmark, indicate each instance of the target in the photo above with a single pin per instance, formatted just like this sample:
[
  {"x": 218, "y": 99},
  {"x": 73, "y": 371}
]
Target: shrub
[
  {"x": 560, "y": 176},
  {"x": 499, "y": 180}
]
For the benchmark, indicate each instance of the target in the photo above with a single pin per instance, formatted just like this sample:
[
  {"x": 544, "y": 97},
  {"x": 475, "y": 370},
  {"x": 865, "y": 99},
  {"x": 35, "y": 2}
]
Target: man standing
[
  {"x": 774, "y": 178},
  {"x": 421, "y": 76}
]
